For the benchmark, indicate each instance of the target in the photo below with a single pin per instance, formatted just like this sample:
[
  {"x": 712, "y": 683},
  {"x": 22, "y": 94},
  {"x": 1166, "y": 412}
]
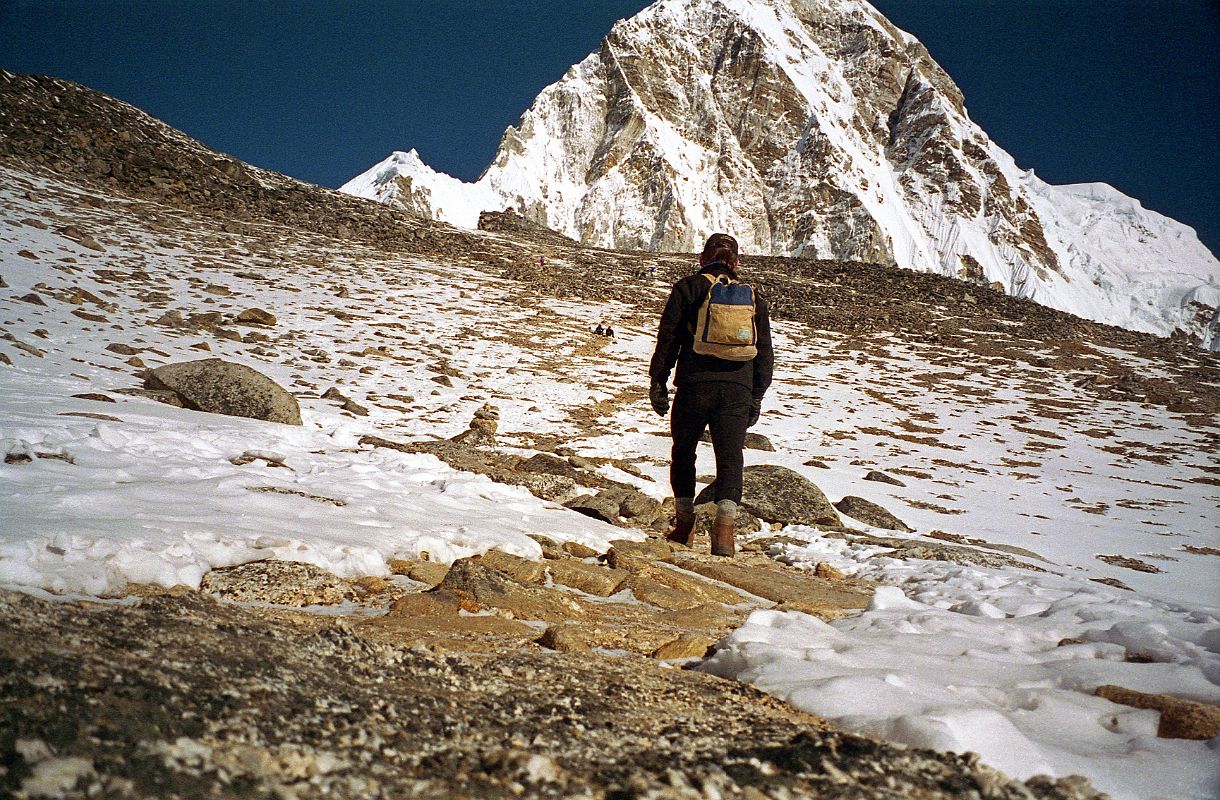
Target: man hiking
[{"x": 716, "y": 330}]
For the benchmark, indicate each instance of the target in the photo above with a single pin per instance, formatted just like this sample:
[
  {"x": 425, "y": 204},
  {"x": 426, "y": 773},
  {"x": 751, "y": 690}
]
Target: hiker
[
  {"x": 721, "y": 343},
  {"x": 609, "y": 332},
  {"x": 599, "y": 330},
  {"x": 541, "y": 262}
]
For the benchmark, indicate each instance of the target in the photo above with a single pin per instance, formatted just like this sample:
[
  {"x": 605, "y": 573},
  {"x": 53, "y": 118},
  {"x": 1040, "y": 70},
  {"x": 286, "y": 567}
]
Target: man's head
[{"x": 720, "y": 247}]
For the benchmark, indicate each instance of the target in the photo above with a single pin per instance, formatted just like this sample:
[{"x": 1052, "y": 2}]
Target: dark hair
[
  {"x": 722, "y": 254},
  {"x": 720, "y": 247},
  {"x": 718, "y": 240}
]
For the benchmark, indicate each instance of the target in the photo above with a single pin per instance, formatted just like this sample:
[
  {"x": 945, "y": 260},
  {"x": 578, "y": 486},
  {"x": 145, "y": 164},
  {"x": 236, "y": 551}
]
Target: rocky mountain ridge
[{"x": 815, "y": 129}]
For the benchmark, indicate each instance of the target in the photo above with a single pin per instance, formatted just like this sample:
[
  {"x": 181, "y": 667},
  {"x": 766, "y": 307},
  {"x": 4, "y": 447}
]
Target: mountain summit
[{"x": 816, "y": 128}]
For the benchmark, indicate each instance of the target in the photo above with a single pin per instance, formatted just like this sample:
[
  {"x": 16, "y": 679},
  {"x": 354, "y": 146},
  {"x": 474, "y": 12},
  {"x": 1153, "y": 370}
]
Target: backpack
[{"x": 725, "y": 325}]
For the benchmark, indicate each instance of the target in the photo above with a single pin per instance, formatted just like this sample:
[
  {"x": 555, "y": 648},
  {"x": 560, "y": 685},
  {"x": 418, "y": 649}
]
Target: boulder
[
  {"x": 428, "y": 572},
  {"x": 519, "y": 569},
  {"x": 777, "y": 494},
  {"x": 205, "y": 320},
  {"x": 647, "y": 550},
  {"x": 578, "y": 550},
  {"x": 256, "y": 316},
  {"x": 685, "y": 646},
  {"x": 224, "y": 387},
  {"x": 285, "y": 583},
  {"x": 589, "y": 578},
  {"x": 754, "y": 441},
  {"x": 555, "y": 488},
  {"x": 602, "y": 506},
  {"x": 565, "y": 638},
  {"x": 793, "y": 590},
  {"x": 635, "y": 504},
  {"x": 870, "y": 513},
  {"x": 881, "y": 477},
  {"x": 475, "y": 585},
  {"x": 1180, "y": 719}
]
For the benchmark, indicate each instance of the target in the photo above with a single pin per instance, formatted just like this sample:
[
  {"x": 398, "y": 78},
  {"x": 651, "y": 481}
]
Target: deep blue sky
[{"x": 1121, "y": 91}]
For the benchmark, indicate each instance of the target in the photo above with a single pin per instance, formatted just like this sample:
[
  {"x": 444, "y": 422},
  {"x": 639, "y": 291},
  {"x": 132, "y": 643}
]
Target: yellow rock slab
[{"x": 792, "y": 589}]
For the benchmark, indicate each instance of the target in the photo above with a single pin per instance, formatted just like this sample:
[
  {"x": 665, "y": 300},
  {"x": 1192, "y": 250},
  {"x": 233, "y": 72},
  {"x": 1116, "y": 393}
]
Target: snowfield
[
  {"x": 95, "y": 495},
  {"x": 970, "y": 659}
]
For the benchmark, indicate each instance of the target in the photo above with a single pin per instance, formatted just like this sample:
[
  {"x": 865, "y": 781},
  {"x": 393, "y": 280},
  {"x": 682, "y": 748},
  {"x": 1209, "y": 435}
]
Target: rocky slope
[
  {"x": 815, "y": 129},
  {"x": 107, "y": 271}
]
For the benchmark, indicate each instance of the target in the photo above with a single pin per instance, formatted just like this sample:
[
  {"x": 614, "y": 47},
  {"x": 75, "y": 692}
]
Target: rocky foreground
[{"x": 180, "y": 695}]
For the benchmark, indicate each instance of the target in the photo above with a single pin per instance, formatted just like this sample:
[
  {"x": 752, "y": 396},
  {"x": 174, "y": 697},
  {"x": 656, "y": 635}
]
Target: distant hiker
[
  {"x": 652, "y": 271},
  {"x": 599, "y": 330},
  {"x": 610, "y": 331},
  {"x": 541, "y": 262},
  {"x": 717, "y": 331}
]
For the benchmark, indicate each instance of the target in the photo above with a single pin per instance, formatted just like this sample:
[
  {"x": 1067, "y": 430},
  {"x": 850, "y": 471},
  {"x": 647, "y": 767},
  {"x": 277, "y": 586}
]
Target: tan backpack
[{"x": 725, "y": 325}]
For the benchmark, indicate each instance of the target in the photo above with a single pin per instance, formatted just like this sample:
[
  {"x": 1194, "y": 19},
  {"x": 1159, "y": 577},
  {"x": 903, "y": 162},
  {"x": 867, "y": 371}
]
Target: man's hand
[
  {"x": 658, "y": 395},
  {"x": 755, "y": 411}
]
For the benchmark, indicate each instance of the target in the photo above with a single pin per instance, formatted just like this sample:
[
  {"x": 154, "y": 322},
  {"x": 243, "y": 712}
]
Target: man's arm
[
  {"x": 765, "y": 360},
  {"x": 668, "y": 339}
]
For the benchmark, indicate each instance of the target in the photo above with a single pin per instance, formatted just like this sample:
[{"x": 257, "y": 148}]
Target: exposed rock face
[
  {"x": 223, "y": 387},
  {"x": 810, "y": 127},
  {"x": 777, "y": 494}
]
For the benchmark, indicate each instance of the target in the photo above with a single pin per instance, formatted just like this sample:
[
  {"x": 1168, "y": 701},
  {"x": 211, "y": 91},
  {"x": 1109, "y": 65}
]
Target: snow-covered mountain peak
[{"x": 816, "y": 128}]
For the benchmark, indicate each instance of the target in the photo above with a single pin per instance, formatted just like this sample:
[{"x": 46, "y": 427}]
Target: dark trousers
[{"x": 723, "y": 406}]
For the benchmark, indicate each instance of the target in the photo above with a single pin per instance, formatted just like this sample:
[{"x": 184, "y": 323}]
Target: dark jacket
[{"x": 676, "y": 338}]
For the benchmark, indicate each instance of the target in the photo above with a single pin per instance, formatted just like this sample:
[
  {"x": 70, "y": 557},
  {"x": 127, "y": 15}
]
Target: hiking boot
[
  {"x": 723, "y": 531},
  {"x": 684, "y": 530}
]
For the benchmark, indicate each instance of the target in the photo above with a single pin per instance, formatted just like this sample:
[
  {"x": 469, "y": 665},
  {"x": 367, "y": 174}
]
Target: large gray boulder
[
  {"x": 778, "y": 494},
  {"x": 223, "y": 387}
]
